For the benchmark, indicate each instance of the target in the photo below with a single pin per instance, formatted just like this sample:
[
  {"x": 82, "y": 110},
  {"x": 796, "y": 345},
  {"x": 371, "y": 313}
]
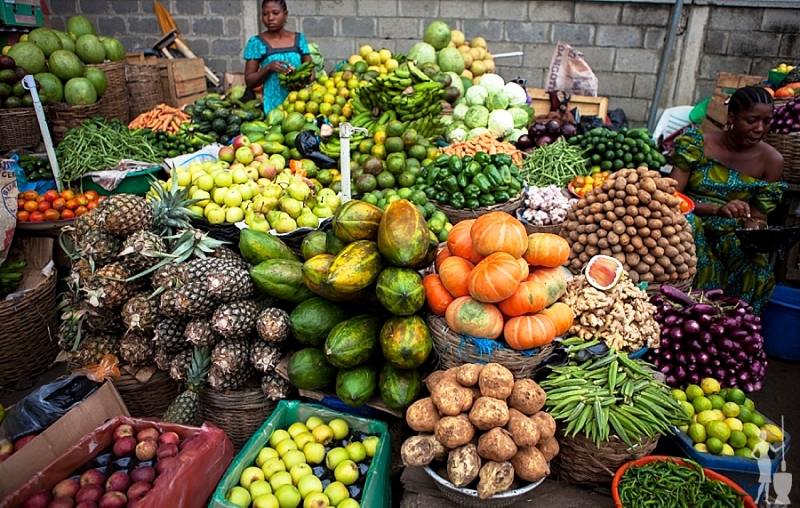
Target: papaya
[
  {"x": 356, "y": 220},
  {"x": 406, "y": 341},
  {"x": 309, "y": 370},
  {"x": 554, "y": 280},
  {"x": 293, "y": 122},
  {"x": 272, "y": 147},
  {"x": 333, "y": 245},
  {"x": 282, "y": 279},
  {"x": 315, "y": 275},
  {"x": 314, "y": 243},
  {"x": 355, "y": 267},
  {"x": 403, "y": 236},
  {"x": 356, "y": 385},
  {"x": 312, "y": 320},
  {"x": 257, "y": 247},
  {"x": 399, "y": 388},
  {"x": 352, "y": 341},
  {"x": 400, "y": 290}
]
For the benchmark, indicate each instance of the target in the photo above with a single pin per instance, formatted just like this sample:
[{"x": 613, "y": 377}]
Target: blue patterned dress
[
  {"x": 258, "y": 49},
  {"x": 721, "y": 263}
]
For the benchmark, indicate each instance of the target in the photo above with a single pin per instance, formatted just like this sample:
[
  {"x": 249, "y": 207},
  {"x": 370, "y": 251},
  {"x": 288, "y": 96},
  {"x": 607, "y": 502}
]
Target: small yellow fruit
[{"x": 773, "y": 433}]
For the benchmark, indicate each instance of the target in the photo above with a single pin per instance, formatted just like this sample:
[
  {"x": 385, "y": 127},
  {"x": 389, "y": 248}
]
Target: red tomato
[
  {"x": 36, "y": 217},
  {"x": 44, "y": 206},
  {"x": 80, "y": 211},
  {"x": 51, "y": 214},
  {"x": 82, "y": 200},
  {"x": 72, "y": 204},
  {"x": 31, "y": 206},
  {"x": 39, "y": 199},
  {"x": 67, "y": 214},
  {"x": 51, "y": 195},
  {"x": 30, "y": 195},
  {"x": 21, "y": 204},
  {"x": 22, "y": 216},
  {"x": 92, "y": 205},
  {"x": 68, "y": 194},
  {"x": 92, "y": 195},
  {"x": 59, "y": 204}
]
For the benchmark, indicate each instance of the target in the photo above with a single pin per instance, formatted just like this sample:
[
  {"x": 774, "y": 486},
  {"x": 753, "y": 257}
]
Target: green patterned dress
[{"x": 720, "y": 261}]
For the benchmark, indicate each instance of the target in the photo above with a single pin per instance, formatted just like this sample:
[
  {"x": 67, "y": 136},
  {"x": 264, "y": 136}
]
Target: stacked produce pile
[
  {"x": 222, "y": 118},
  {"x": 52, "y": 206},
  {"x": 68, "y": 57},
  {"x": 373, "y": 63},
  {"x": 554, "y": 164},
  {"x": 584, "y": 183},
  {"x": 36, "y": 168},
  {"x": 706, "y": 333},
  {"x": 546, "y": 206},
  {"x": 612, "y": 151},
  {"x": 635, "y": 218},
  {"x": 787, "y": 117},
  {"x": 544, "y": 132},
  {"x": 485, "y": 425},
  {"x": 10, "y": 276},
  {"x": 450, "y": 50},
  {"x": 329, "y": 96}
]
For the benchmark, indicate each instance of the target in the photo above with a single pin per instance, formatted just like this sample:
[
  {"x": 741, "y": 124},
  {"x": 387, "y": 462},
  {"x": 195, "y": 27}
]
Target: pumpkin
[
  {"x": 476, "y": 319},
  {"x": 529, "y": 297},
  {"x": 526, "y": 332},
  {"x": 459, "y": 242},
  {"x": 546, "y": 249},
  {"x": 554, "y": 280},
  {"x": 454, "y": 274},
  {"x": 499, "y": 232},
  {"x": 526, "y": 269},
  {"x": 784, "y": 92},
  {"x": 443, "y": 254},
  {"x": 561, "y": 315},
  {"x": 436, "y": 294},
  {"x": 495, "y": 278}
]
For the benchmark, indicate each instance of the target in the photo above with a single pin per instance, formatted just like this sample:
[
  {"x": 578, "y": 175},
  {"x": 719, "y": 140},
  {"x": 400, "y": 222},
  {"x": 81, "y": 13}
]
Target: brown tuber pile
[{"x": 635, "y": 218}]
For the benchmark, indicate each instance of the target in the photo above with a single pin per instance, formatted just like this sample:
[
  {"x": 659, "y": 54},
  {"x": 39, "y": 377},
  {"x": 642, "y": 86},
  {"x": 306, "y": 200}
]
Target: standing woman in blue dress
[{"x": 273, "y": 52}]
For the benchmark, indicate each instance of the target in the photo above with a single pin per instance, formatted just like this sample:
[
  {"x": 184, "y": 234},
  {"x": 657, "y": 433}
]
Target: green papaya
[
  {"x": 312, "y": 320},
  {"x": 400, "y": 290},
  {"x": 406, "y": 341},
  {"x": 355, "y": 267},
  {"x": 314, "y": 243},
  {"x": 399, "y": 388},
  {"x": 356, "y": 385},
  {"x": 282, "y": 279},
  {"x": 353, "y": 341},
  {"x": 315, "y": 275},
  {"x": 309, "y": 370},
  {"x": 403, "y": 234},
  {"x": 357, "y": 220},
  {"x": 258, "y": 246},
  {"x": 332, "y": 243}
]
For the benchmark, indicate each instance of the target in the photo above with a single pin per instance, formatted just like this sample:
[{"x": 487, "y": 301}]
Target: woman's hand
[
  {"x": 279, "y": 66},
  {"x": 734, "y": 209}
]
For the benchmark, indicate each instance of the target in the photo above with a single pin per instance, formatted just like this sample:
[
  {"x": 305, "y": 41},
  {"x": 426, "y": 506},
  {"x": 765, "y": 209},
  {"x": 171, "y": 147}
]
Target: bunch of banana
[
  {"x": 10, "y": 276},
  {"x": 333, "y": 147},
  {"x": 374, "y": 120},
  {"x": 408, "y": 91},
  {"x": 298, "y": 78},
  {"x": 428, "y": 126}
]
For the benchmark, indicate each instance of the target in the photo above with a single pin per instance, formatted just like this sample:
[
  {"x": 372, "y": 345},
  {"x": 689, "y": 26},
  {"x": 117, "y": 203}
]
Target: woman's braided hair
[
  {"x": 746, "y": 97},
  {"x": 282, "y": 3}
]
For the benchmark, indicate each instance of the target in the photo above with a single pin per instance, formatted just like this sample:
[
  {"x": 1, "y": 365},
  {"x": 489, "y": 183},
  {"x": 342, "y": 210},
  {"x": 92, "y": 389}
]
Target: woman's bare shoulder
[{"x": 772, "y": 161}]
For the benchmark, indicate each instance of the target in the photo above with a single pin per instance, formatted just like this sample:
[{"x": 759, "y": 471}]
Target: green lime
[
  {"x": 724, "y": 393},
  {"x": 710, "y": 386},
  {"x": 701, "y": 404},
  {"x": 377, "y": 193},
  {"x": 689, "y": 407},
  {"x": 606, "y": 165},
  {"x": 381, "y": 203},
  {"x": 406, "y": 179},
  {"x": 701, "y": 447},
  {"x": 759, "y": 447},
  {"x": 618, "y": 164},
  {"x": 758, "y": 419},
  {"x": 743, "y": 452},
  {"x": 730, "y": 409},
  {"x": 697, "y": 433},
  {"x": 717, "y": 402},
  {"x": 737, "y": 439},
  {"x": 678, "y": 394},
  {"x": 745, "y": 415},
  {"x": 706, "y": 417},
  {"x": 419, "y": 198},
  {"x": 693, "y": 391},
  {"x": 751, "y": 430},
  {"x": 369, "y": 198},
  {"x": 736, "y": 395},
  {"x": 714, "y": 445},
  {"x": 404, "y": 193},
  {"x": 749, "y": 404},
  {"x": 718, "y": 430}
]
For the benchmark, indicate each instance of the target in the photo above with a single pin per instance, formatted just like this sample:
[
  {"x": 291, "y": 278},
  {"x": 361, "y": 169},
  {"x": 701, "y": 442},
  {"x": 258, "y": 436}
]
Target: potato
[
  {"x": 530, "y": 465},
  {"x": 422, "y": 415},
  {"x": 549, "y": 448},
  {"x": 495, "y": 477},
  {"x": 418, "y": 451},
  {"x": 437, "y": 377},
  {"x": 523, "y": 429},
  {"x": 488, "y": 412},
  {"x": 439, "y": 451},
  {"x": 463, "y": 465},
  {"x": 527, "y": 396},
  {"x": 497, "y": 445},
  {"x": 467, "y": 374},
  {"x": 496, "y": 381},
  {"x": 454, "y": 431},
  {"x": 545, "y": 423},
  {"x": 451, "y": 398}
]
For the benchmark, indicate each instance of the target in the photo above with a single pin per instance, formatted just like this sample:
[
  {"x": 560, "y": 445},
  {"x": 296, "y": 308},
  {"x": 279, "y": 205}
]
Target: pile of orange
[
  {"x": 52, "y": 206},
  {"x": 583, "y": 184}
]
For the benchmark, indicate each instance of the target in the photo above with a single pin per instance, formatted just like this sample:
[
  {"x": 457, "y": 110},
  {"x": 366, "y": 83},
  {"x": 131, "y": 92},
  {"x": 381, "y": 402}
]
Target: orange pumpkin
[
  {"x": 526, "y": 332},
  {"x": 546, "y": 249},
  {"x": 443, "y": 254},
  {"x": 529, "y": 297},
  {"x": 454, "y": 274},
  {"x": 526, "y": 269},
  {"x": 554, "y": 280},
  {"x": 495, "y": 278},
  {"x": 561, "y": 315},
  {"x": 436, "y": 294},
  {"x": 460, "y": 242},
  {"x": 476, "y": 319},
  {"x": 499, "y": 232},
  {"x": 784, "y": 92}
]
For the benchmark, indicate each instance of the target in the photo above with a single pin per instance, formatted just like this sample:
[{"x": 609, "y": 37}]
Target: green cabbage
[
  {"x": 460, "y": 111},
  {"x": 492, "y": 83},
  {"x": 501, "y": 123},
  {"x": 520, "y": 117},
  {"x": 477, "y": 131},
  {"x": 516, "y": 94},
  {"x": 477, "y": 116},
  {"x": 476, "y": 95},
  {"x": 497, "y": 100}
]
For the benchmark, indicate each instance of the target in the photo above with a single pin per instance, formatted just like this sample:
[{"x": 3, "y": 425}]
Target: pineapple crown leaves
[
  {"x": 197, "y": 372},
  {"x": 66, "y": 243},
  {"x": 187, "y": 244},
  {"x": 73, "y": 320},
  {"x": 170, "y": 206}
]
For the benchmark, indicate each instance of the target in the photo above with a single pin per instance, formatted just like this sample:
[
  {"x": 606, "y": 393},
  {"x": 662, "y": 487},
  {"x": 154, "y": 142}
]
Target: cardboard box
[
  {"x": 103, "y": 404},
  {"x": 231, "y": 79},
  {"x": 21, "y": 12},
  {"x": 183, "y": 80},
  {"x": 587, "y": 106},
  {"x": 727, "y": 83}
]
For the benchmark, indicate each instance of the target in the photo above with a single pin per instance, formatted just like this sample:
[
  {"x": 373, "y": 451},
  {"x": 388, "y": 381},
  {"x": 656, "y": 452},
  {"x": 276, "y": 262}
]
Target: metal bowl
[{"x": 469, "y": 497}]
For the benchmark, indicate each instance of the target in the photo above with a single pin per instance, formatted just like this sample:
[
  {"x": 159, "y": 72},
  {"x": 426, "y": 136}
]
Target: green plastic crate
[
  {"x": 137, "y": 183},
  {"x": 377, "y": 489},
  {"x": 21, "y": 12}
]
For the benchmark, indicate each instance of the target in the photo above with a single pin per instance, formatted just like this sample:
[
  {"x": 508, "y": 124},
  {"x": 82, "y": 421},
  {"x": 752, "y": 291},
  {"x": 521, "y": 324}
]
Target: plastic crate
[
  {"x": 377, "y": 489},
  {"x": 137, "y": 183},
  {"x": 21, "y": 13},
  {"x": 744, "y": 472}
]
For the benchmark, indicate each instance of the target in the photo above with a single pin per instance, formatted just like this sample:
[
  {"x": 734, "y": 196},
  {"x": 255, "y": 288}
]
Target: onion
[
  {"x": 756, "y": 386},
  {"x": 744, "y": 376},
  {"x": 554, "y": 127},
  {"x": 705, "y": 337},
  {"x": 681, "y": 357}
]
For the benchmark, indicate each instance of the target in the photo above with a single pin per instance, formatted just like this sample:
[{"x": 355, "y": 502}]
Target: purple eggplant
[
  {"x": 707, "y": 370},
  {"x": 677, "y": 334},
  {"x": 716, "y": 362},
  {"x": 728, "y": 323},
  {"x": 673, "y": 320},
  {"x": 671, "y": 380},
  {"x": 713, "y": 294},
  {"x": 744, "y": 376},
  {"x": 704, "y": 308},
  {"x": 751, "y": 349},
  {"x": 705, "y": 337},
  {"x": 676, "y": 345},
  {"x": 676, "y": 295},
  {"x": 544, "y": 140},
  {"x": 667, "y": 356},
  {"x": 665, "y": 369},
  {"x": 740, "y": 356},
  {"x": 702, "y": 358},
  {"x": 717, "y": 330},
  {"x": 693, "y": 378},
  {"x": 705, "y": 319},
  {"x": 553, "y": 127},
  {"x": 666, "y": 342},
  {"x": 568, "y": 130},
  {"x": 749, "y": 387},
  {"x": 696, "y": 345},
  {"x": 524, "y": 142},
  {"x": 691, "y": 327}
]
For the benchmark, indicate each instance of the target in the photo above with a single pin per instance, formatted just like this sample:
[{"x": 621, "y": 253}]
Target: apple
[
  {"x": 167, "y": 450},
  {"x": 143, "y": 474},
  {"x": 232, "y": 197},
  {"x": 300, "y": 470},
  {"x": 296, "y": 428},
  {"x": 339, "y": 427},
  {"x": 266, "y": 501},
  {"x": 86, "y": 504},
  {"x": 21, "y": 442},
  {"x": 223, "y": 179},
  {"x": 316, "y": 500},
  {"x": 267, "y": 170},
  {"x": 335, "y": 457},
  {"x": 314, "y": 452},
  {"x": 302, "y": 439},
  {"x": 346, "y": 472},
  {"x": 259, "y": 488},
  {"x": 62, "y": 502},
  {"x": 252, "y": 173},
  {"x": 119, "y": 481},
  {"x": 218, "y": 195},
  {"x": 125, "y": 446},
  {"x": 92, "y": 476},
  {"x": 66, "y": 488},
  {"x": 205, "y": 182},
  {"x": 239, "y": 175},
  {"x": 309, "y": 484},
  {"x": 150, "y": 432},
  {"x": 169, "y": 438},
  {"x": 288, "y": 496},
  {"x": 273, "y": 466},
  {"x": 244, "y": 155},
  {"x": 38, "y": 500},
  {"x": 138, "y": 489},
  {"x": 280, "y": 478},
  {"x": 265, "y": 454},
  {"x": 323, "y": 434},
  {"x": 336, "y": 492},
  {"x": 357, "y": 451},
  {"x": 349, "y": 503},
  {"x": 257, "y": 149},
  {"x": 285, "y": 446},
  {"x": 249, "y": 475},
  {"x": 123, "y": 430},
  {"x": 226, "y": 153},
  {"x": 278, "y": 436},
  {"x": 113, "y": 499},
  {"x": 313, "y": 422},
  {"x": 166, "y": 465},
  {"x": 292, "y": 458},
  {"x": 89, "y": 492},
  {"x": 146, "y": 450},
  {"x": 239, "y": 496},
  {"x": 240, "y": 141},
  {"x": 371, "y": 445}
]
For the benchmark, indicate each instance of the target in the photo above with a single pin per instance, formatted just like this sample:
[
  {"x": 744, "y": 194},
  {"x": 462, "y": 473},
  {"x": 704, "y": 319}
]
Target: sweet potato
[
  {"x": 496, "y": 381},
  {"x": 529, "y": 464},
  {"x": 527, "y": 396},
  {"x": 495, "y": 477},
  {"x": 454, "y": 431},
  {"x": 422, "y": 415},
  {"x": 523, "y": 429},
  {"x": 488, "y": 412},
  {"x": 497, "y": 445},
  {"x": 463, "y": 465}
]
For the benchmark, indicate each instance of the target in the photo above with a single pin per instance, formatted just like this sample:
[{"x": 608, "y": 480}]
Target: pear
[
  {"x": 291, "y": 206},
  {"x": 273, "y": 216},
  {"x": 307, "y": 219},
  {"x": 323, "y": 211},
  {"x": 285, "y": 224},
  {"x": 298, "y": 190}
]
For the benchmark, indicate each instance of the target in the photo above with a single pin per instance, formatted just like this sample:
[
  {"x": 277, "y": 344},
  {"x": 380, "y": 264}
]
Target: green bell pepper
[
  {"x": 472, "y": 204},
  {"x": 472, "y": 169},
  {"x": 432, "y": 176},
  {"x": 505, "y": 173},
  {"x": 482, "y": 158},
  {"x": 443, "y": 197},
  {"x": 493, "y": 174},
  {"x": 443, "y": 173},
  {"x": 457, "y": 200},
  {"x": 455, "y": 164},
  {"x": 501, "y": 159},
  {"x": 486, "y": 200},
  {"x": 514, "y": 170},
  {"x": 482, "y": 183},
  {"x": 450, "y": 184},
  {"x": 463, "y": 179},
  {"x": 471, "y": 191},
  {"x": 430, "y": 192},
  {"x": 442, "y": 161},
  {"x": 466, "y": 159},
  {"x": 501, "y": 196},
  {"x": 515, "y": 186}
]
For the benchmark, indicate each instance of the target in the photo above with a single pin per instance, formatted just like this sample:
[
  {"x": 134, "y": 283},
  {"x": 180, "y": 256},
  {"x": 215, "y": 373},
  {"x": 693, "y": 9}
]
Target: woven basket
[
  {"x": 150, "y": 399},
  {"x": 19, "y": 128},
  {"x": 27, "y": 337},
  {"x": 453, "y": 350},
  {"x": 144, "y": 88},
  {"x": 115, "y": 105},
  {"x": 115, "y": 76},
  {"x": 239, "y": 413},
  {"x": 530, "y": 228},
  {"x": 64, "y": 117},
  {"x": 457, "y": 216},
  {"x": 789, "y": 146},
  {"x": 683, "y": 285},
  {"x": 581, "y": 462}
]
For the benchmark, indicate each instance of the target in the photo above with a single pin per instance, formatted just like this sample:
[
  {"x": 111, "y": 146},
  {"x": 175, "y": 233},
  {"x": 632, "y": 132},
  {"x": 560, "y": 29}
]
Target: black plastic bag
[
  {"x": 307, "y": 144},
  {"x": 589, "y": 122},
  {"x": 618, "y": 118},
  {"x": 42, "y": 407},
  {"x": 778, "y": 239}
]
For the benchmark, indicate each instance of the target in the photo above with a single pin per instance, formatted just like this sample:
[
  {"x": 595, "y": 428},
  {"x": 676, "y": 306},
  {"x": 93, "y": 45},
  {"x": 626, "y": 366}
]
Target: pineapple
[
  {"x": 225, "y": 253},
  {"x": 272, "y": 325},
  {"x": 107, "y": 287},
  {"x": 193, "y": 300},
  {"x": 200, "y": 333},
  {"x": 235, "y": 320},
  {"x": 140, "y": 313},
  {"x": 184, "y": 408},
  {"x": 169, "y": 336},
  {"x": 99, "y": 246},
  {"x": 162, "y": 359},
  {"x": 92, "y": 348},
  {"x": 85, "y": 223},
  {"x": 142, "y": 250},
  {"x": 200, "y": 269},
  {"x": 275, "y": 388},
  {"x": 180, "y": 365},
  {"x": 125, "y": 214},
  {"x": 168, "y": 304},
  {"x": 230, "y": 365},
  {"x": 264, "y": 357},
  {"x": 137, "y": 349},
  {"x": 169, "y": 276},
  {"x": 231, "y": 285},
  {"x": 80, "y": 272}
]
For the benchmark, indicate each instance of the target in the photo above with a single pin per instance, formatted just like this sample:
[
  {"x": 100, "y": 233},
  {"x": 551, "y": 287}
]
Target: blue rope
[{"x": 487, "y": 347}]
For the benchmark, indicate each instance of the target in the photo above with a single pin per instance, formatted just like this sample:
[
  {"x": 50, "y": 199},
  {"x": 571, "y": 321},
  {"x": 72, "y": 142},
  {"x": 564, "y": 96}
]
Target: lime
[
  {"x": 733, "y": 423},
  {"x": 745, "y": 415},
  {"x": 693, "y": 391},
  {"x": 406, "y": 179},
  {"x": 718, "y": 430},
  {"x": 710, "y": 386},
  {"x": 737, "y": 439},
  {"x": 683, "y": 428},
  {"x": 389, "y": 192},
  {"x": 701, "y": 447},
  {"x": 743, "y": 452},
  {"x": 689, "y": 408},
  {"x": 678, "y": 394},
  {"x": 716, "y": 401},
  {"x": 727, "y": 450},
  {"x": 404, "y": 193},
  {"x": 736, "y": 395},
  {"x": 419, "y": 198},
  {"x": 706, "y": 417},
  {"x": 697, "y": 433},
  {"x": 369, "y": 198},
  {"x": 714, "y": 445},
  {"x": 385, "y": 180},
  {"x": 723, "y": 393},
  {"x": 720, "y": 414},
  {"x": 750, "y": 430},
  {"x": 758, "y": 419},
  {"x": 730, "y": 409},
  {"x": 701, "y": 404},
  {"x": 749, "y": 404},
  {"x": 759, "y": 447}
]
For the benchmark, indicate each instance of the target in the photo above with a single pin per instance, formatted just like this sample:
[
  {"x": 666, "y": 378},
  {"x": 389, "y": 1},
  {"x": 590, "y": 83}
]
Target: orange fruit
[
  {"x": 91, "y": 194},
  {"x": 68, "y": 194},
  {"x": 22, "y": 216},
  {"x": 30, "y": 195},
  {"x": 80, "y": 211}
]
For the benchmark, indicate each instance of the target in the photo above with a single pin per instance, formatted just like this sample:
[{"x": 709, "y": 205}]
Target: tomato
[
  {"x": 22, "y": 216},
  {"x": 36, "y": 217},
  {"x": 30, "y": 195},
  {"x": 68, "y": 194},
  {"x": 59, "y": 204},
  {"x": 72, "y": 204},
  {"x": 92, "y": 195},
  {"x": 51, "y": 195},
  {"x": 80, "y": 211},
  {"x": 92, "y": 205},
  {"x": 39, "y": 199},
  {"x": 67, "y": 214},
  {"x": 82, "y": 200},
  {"x": 44, "y": 206},
  {"x": 31, "y": 206},
  {"x": 21, "y": 204},
  {"x": 51, "y": 215}
]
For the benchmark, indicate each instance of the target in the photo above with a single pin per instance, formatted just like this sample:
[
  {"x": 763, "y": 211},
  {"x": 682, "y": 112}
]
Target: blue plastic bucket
[{"x": 781, "y": 322}]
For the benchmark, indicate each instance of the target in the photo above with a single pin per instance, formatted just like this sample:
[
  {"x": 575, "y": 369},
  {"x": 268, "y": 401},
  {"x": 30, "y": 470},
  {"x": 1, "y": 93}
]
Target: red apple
[
  {"x": 148, "y": 433},
  {"x": 146, "y": 450},
  {"x": 39, "y": 500},
  {"x": 123, "y": 430},
  {"x": 138, "y": 489},
  {"x": 86, "y": 504},
  {"x": 240, "y": 141},
  {"x": 169, "y": 438},
  {"x": 143, "y": 474},
  {"x": 226, "y": 153},
  {"x": 93, "y": 476},
  {"x": 66, "y": 488},
  {"x": 19, "y": 443},
  {"x": 89, "y": 492},
  {"x": 257, "y": 149},
  {"x": 119, "y": 481},
  {"x": 166, "y": 450},
  {"x": 62, "y": 502},
  {"x": 124, "y": 446},
  {"x": 113, "y": 499},
  {"x": 165, "y": 465}
]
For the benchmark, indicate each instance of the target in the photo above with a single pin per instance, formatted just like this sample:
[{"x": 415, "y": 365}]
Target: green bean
[{"x": 558, "y": 163}]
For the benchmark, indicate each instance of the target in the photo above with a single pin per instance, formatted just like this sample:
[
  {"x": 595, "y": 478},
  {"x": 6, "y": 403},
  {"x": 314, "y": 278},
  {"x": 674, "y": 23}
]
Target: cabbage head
[
  {"x": 497, "y": 100},
  {"x": 516, "y": 94},
  {"x": 515, "y": 135},
  {"x": 501, "y": 123},
  {"x": 492, "y": 83},
  {"x": 520, "y": 117},
  {"x": 460, "y": 111},
  {"x": 476, "y": 95},
  {"x": 456, "y": 135},
  {"x": 477, "y": 131},
  {"x": 477, "y": 116},
  {"x": 446, "y": 120}
]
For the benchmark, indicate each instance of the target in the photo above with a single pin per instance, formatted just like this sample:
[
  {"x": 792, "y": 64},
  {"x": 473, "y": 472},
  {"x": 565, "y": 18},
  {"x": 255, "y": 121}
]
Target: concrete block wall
[{"x": 622, "y": 41}]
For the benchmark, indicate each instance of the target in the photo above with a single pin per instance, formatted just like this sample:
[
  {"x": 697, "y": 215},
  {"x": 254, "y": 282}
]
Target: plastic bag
[
  {"x": 569, "y": 72},
  {"x": 46, "y": 404},
  {"x": 307, "y": 144},
  {"x": 108, "y": 367},
  {"x": 778, "y": 239}
]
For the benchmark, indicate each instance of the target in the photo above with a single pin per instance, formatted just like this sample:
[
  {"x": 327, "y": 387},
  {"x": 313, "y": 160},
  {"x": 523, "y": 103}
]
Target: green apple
[
  {"x": 245, "y": 191},
  {"x": 273, "y": 466},
  {"x": 218, "y": 195},
  {"x": 300, "y": 470},
  {"x": 266, "y": 501},
  {"x": 223, "y": 179},
  {"x": 259, "y": 487},
  {"x": 184, "y": 178},
  {"x": 293, "y": 457},
  {"x": 239, "y": 175},
  {"x": 322, "y": 433},
  {"x": 288, "y": 496},
  {"x": 357, "y": 451},
  {"x": 202, "y": 194},
  {"x": 244, "y": 155},
  {"x": 313, "y": 422},
  {"x": 297, "y": 428},
  {"x": 234, "y": 214},
  {"x": 339, "y": 427},
  {"x": 346, "y": 472},
  {"x": 316, "y": 500},
  {"x": 209, "y": 207},
  {"x": 194, "y": 167},
  {"x": 335, "y": 457},
  {"x": 279, "y": 479},
  {"x": 205, "y": 182},
  {"x": 285, "y": 447},
  {"x": 239, "y": 496},
  {"x": 197, "y": 210},
  {"x": 309, "y": 484},
  {"x": 233, "y": 197},
  {"x": 226, "y": 153},
  {"x": 349, "y": 503},
  {"x": 278, "y": 436},
  {"x": 371, "y": 445},
  {"x": 265, "y": 454},
  {"x": 336, "y": 492},
  {"x": 314, "y": 452},
  {"x": 278, "y": 161},
  {"x": 303, "y": 439},
  {"x": 216, "y": 216},
  {"x": 249, "y": 475}
]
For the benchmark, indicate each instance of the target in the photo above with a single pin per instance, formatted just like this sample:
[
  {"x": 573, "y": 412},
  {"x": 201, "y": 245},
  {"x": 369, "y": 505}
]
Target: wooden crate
[
  {"x": 139, "y": 58},
  {"x": 183, "y": 80},
  {"x": 727, "y": 83},
  {"x": 587, "y": 106}
]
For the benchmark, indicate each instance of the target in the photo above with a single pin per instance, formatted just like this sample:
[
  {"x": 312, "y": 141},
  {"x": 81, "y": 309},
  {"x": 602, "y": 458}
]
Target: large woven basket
[
  {"x": 115, "y": 76},
  {"x": 144, "y": 88},
  {"x": 453, "y": 350},
  {"x": 150, "y": 399},
  {"x": 64, "y": 117},
  {"x": 115, "y": 105},
  {"x": 581, "y": 462},
  {"x": 455, "y": 215},
  {"x": 239, "y": 413},
  {"x": 19, "y": 128},
  {"x": 789, "y": 146}
]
